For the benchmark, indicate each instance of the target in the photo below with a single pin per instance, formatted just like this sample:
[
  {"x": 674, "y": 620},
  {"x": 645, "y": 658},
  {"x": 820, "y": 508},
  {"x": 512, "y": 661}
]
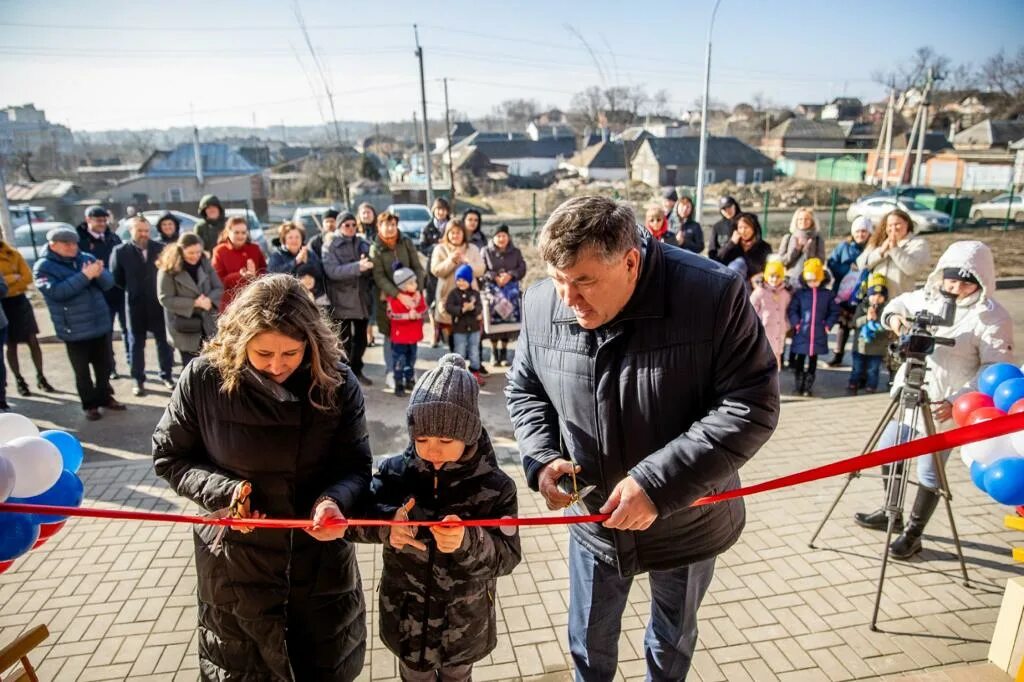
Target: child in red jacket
[{"x": 406, "y": 314}]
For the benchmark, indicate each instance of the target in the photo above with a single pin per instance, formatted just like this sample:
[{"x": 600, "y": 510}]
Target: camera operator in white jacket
[{"x": 983, "y": 334}]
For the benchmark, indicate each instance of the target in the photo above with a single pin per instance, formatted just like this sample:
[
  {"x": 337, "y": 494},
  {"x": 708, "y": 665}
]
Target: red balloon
[
  {"x": 4, "y": 565},
  {"x": 983, "y": 414},
  {"x": 1017, "y": 407},
  {"x": 968, "y": 403},
  {"x": 47, "y": 531}
]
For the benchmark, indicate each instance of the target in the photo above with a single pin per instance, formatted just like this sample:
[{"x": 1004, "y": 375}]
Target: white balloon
[
  {"x": 6, "y": 478},
  {"x": 1017, "y": 441},
  {"x": 16, "y": 426},
  {"x": 37, "y": 465},
  {"x": 987, "y": 451}
]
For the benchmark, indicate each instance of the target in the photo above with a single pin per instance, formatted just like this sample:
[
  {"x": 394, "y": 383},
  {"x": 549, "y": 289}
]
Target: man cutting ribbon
[{"x": 645, "y": 367}]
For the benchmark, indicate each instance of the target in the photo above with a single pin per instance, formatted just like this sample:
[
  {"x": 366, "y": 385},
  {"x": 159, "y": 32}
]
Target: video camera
[{"x": 920, "y": 341}]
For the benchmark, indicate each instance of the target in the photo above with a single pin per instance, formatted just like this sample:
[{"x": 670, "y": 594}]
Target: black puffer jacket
[
  {"x": 434, "y": 607},
  {"x": 678, "y": 391},
  {"x": 273, "y": 604}
]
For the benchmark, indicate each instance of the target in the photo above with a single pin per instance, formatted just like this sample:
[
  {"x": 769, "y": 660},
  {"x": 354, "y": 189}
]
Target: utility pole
[
  {"x": 5, "y": 209},
  {"x": 887, "y": 132},
  {"x": 923, "y": 111},
  {"x": 423, "y": 101},
  {"x": 448, "y": 131},
  {"x": 702, "y": 155}
]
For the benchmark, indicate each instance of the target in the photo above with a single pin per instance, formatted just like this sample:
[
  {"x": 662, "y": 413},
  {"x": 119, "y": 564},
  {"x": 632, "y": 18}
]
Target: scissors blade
[{"x": 586, "y": 490}]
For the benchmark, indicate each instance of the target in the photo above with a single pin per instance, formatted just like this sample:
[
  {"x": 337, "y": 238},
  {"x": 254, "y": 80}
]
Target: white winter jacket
[
  {"x": 900, "y": 265},
  {"x": 982, "y": 328}
]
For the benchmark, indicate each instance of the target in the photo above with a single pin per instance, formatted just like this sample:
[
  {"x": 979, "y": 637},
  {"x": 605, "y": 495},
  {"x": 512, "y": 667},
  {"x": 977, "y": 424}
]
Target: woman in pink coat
[{"x": 770, "y": 301}]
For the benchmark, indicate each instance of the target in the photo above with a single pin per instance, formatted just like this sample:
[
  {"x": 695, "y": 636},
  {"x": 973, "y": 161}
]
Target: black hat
[
  {"x": 725, "y": 202},
  {"x": 97, "y": 212},
  {"x": 960, "y": 274},
  {"x": 670, "y": 193},
  {"x": 331, "y": 213},
  {"x": 501, "y": 228},
  {"x": 346, "y": 216}
]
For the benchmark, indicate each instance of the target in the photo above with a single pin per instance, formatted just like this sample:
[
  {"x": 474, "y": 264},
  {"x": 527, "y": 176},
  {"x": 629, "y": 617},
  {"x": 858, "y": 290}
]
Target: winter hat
[
  {"x": 403, "y": 275},
  {"x": 501, "y": 228},
  {"x": 862, "y": 222},
  {"x": 331, "y": 213},
  {"x": 960, "y": 274},
  {"x": 97, "y": 212},
  {"x": 814, "y": 271},
  {"x": 444, "y": 403},
  {"x": 774, "y": 266},
  {"x": 465, "y": 272},
  {"x": 669, "y": 193},
  {"x": 346, "y": 216},
  {"x": 878, "y": 289}
]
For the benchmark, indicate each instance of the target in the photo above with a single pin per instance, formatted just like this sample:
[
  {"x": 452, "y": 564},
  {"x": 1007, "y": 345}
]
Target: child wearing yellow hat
[
  {"x": 771, "y": 300},
  {"x": 812, "y": 312}
]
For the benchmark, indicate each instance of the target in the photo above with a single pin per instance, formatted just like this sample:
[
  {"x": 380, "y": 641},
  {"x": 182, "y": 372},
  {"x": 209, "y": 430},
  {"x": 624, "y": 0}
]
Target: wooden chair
[{"x": 17, "y": 651}]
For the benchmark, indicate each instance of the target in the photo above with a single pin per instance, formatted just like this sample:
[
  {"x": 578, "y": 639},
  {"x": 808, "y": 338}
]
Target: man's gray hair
[
  {"x": 139, "y": 218},
  {"x": 598, "y": 224}
]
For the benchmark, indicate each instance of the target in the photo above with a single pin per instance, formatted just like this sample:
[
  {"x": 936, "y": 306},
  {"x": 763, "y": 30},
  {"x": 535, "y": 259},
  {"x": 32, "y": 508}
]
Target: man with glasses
[{"x": 347, "y": 265}]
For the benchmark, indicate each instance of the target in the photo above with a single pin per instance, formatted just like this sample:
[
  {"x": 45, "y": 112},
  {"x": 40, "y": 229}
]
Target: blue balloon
[
  {"x": 990, "y": 379},
  {"x": 70, "y": 448},
  {"x": 1007, "y": 393},
  {"x": 1004, "y": 480},
  {"x": 978, "y": 474},
  {"x": 68, "y": 491},
  {"x": 17, "y": 535}
]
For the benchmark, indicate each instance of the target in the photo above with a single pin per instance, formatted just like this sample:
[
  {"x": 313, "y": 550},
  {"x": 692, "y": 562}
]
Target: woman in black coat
[
  {"x": 269, "y": 419},
  {"x": 746, "y": 252}
]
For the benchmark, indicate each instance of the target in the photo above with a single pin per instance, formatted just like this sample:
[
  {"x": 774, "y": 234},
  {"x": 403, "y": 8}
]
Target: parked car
[
  {"x": 311, "y": 218},
  {"x": 188, "y": 223},
  {"x": 995, "y": 208},
  {"x": 925, "y": 219},
  {"x": 903, "y": 192},
  {"x": 256, "y": 233},
  {"x": 412, "y": 218},
  {"x": 20, "y": 214},
  {"x": 24, "y": 236}
]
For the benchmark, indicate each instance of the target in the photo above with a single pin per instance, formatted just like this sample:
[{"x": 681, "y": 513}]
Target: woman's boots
[
  {"x": 909, "y": 543},
  {"x": 877, "y": 520}
]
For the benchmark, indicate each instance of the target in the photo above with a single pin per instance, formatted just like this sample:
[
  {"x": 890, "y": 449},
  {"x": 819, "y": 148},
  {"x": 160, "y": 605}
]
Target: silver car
[
  {"x": 925, "y": 219},
  {"x": 995, "y": 208},
  {"x": 31, "y": 240},
  {"x": 412, "y": 218}
]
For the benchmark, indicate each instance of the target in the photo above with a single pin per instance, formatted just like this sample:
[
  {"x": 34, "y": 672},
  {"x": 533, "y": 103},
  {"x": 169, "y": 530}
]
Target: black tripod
[{"x": 909, "y": 407}]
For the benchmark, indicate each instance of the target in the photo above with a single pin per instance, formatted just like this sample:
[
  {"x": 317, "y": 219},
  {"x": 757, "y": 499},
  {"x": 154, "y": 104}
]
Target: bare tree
[
  {"x": 1005, "y": 74},
  {"x": 517, "y": 112},
  {"x": 913, "y": 71}
]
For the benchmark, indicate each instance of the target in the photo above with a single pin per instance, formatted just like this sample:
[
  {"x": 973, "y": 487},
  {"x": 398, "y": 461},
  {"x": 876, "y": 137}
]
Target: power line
[{"x": 193, "y": 29}]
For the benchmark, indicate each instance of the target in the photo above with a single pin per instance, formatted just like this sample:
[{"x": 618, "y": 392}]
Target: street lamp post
[{"x": 704, "y": 120}]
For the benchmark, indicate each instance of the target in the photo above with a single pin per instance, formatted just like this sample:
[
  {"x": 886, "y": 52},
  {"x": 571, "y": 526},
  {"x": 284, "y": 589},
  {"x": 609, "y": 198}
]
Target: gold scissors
[{"x": 575, "y": 494}]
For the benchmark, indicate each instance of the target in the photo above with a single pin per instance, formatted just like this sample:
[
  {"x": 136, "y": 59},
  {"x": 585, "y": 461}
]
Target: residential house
[
  {"x": 901, "y": 160},
  {"x": 522, "y": 156},
  {"x": 801, "y": 139},
  {"x": 29, "y": 131},
  {"x": 809, "y": 111},
  {"x": 540, "y": 131},
  {"x": 602, "y": 161},
  {"x": 550, "y": 117},
  {"x": 96, "y": 177},
  {"x": 673, "y": 161},
  {"x": 842, "y": 109},
  {"x": 989, "y": 134},
  {"x": 172, "y": 176},
  {"x": 460, "y": 131},
  {"x": 60, "y": 198}
]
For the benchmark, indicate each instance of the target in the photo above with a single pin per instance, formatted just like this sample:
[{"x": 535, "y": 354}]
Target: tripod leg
[
  {"x": 869, "y": 447},
  {"x": 893, "y": 501},
  {"x": 947, "y": 496}
]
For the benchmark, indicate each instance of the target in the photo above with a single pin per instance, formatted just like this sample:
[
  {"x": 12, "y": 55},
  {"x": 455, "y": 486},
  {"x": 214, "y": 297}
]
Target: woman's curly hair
[{"x": 278, "y": 303}]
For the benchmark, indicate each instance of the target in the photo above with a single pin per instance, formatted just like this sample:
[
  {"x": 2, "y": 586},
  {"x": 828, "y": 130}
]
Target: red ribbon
[{"x": 922, "y": 446}]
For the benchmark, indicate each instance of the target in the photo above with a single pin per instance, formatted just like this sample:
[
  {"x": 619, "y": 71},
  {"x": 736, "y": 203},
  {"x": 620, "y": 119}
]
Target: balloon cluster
[
  {"x": 35, "y": 468},
  {"x": 997, "y": 464}
]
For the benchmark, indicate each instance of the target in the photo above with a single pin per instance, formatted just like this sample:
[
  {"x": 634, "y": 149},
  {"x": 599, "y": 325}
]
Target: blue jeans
[
  {"x": 403, "y": 355},
  {"x": 388, "y": 366},
  {"x": 597, "y": 599},
  {"x": 927, "y": 475},
  {"x": 468, "y": 346},
  {"x": 865, "y": 367}
]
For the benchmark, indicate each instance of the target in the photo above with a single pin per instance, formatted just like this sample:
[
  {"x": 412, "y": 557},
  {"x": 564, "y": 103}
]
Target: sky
[{"x": 97, "y": 65}]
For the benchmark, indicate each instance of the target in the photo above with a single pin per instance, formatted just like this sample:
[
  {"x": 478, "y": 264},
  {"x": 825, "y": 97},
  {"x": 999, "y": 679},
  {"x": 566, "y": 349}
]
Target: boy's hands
[
  {"x": 449, "y": 539},
  {"x": 405, "y": 535},
  {"x": 326, "y": 524}
]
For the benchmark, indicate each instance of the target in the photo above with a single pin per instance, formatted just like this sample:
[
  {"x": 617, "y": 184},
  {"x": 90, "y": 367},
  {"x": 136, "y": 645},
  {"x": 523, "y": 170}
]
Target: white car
[
  {"x": 412, "y": 218},
  {"x": 925, "y": 219},
  {"x": 187, "y": 223},
  {"x": 995, "y": 208},
  {"x": 20, "y": 214},
  {"x": 25, "y": 235}
]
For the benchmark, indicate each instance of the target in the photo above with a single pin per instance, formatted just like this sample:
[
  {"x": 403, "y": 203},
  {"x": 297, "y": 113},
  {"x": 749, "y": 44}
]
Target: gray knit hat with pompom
[{"x": 444, "y": 402}]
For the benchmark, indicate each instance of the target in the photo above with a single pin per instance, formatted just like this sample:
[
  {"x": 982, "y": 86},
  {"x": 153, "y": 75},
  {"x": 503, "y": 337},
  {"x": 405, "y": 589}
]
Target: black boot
[
  {"x": 44, "y": 385},
  {"x": 22, "y": 385},
  {"x": 837, "y": 359},
  {"x": 798, "y": 382},
  {"x": 909, "y": 543},
  {"x": 877, "y": 520},
  {"x": 808, "y": 385},
  {"x": 504, "y": 356}
]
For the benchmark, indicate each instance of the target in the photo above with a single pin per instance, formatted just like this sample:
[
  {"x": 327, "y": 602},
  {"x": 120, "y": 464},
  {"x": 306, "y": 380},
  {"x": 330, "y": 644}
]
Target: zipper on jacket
[{"x": 429, "y": 582}]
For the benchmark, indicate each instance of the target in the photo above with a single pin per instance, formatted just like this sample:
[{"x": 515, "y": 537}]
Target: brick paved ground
[{"x": 119, "y": 597}]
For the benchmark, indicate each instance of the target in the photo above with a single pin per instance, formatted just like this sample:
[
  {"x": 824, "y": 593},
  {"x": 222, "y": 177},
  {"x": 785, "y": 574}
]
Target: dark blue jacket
[
  {"x": 77, "y": 305},
  {"x": 282, "y": 260},
  {"x": 676, "y": 391},
  {"x": 104, "y": 250},
  {"x": 826, "y": 314},
  {"x": 842, "y": 259},
  {"x": 137, "y": 277}
]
